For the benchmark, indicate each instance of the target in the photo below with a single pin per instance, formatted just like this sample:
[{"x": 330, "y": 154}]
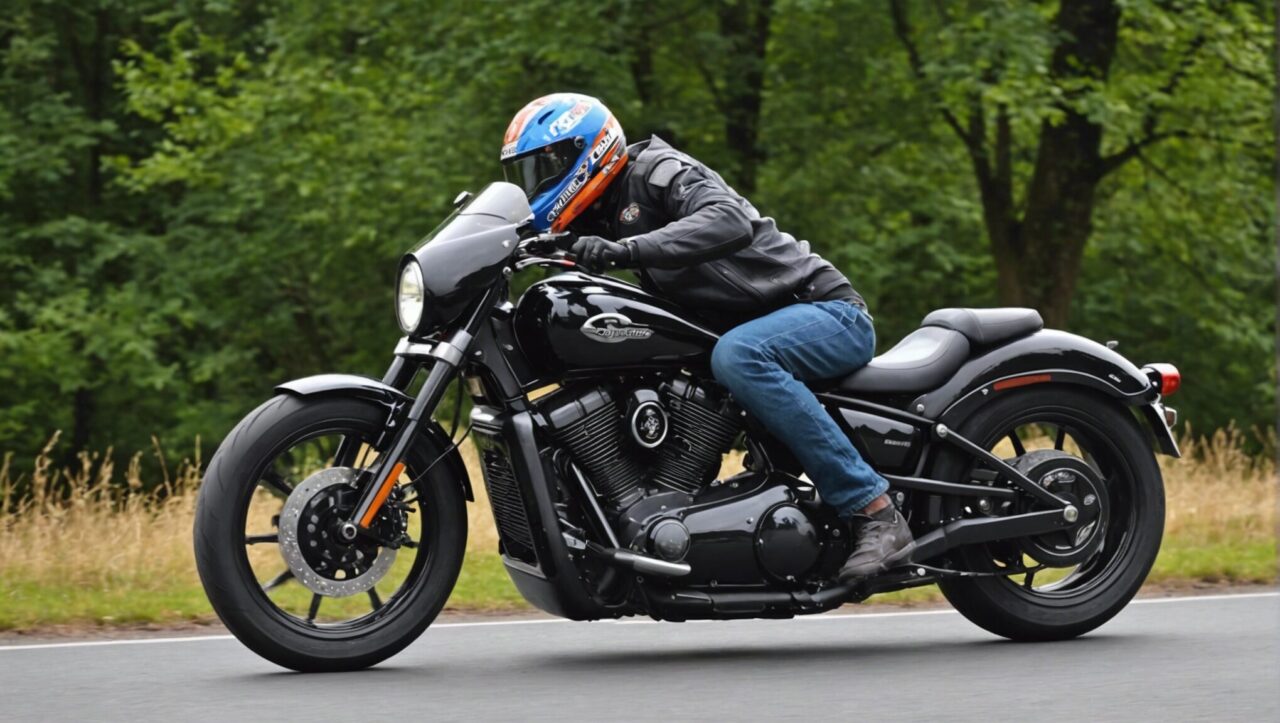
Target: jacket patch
[{"x": 630, "y": 213}]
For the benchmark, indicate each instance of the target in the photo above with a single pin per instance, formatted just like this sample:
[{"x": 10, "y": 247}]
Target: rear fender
[
  {"x": 366, "y": 388},
  {"x": 1048, "y": 356}
]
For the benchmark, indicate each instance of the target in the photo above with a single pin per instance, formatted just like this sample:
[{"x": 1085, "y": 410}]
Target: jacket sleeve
[{"x": 709, "y": 222}]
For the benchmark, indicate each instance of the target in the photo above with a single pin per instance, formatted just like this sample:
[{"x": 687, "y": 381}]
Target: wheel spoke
[
  {"x": 279, "y": 580},
  {"x": 374, "y": 600},
  {"x": 1018, "y": 449},
  {"x": 316, "y": 599},
  {"x": 277, "y": 482},
  {"x": 1060, "y": 439},
  {"x": 1029, "y": 580},
  {"x": 259, "y": 539},
  {"x": 344, "y": 455}
]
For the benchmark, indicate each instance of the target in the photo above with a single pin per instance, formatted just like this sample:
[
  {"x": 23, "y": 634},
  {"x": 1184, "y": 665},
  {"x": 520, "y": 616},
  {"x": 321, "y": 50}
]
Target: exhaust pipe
[
  {"x": 648, "y": 565},
  {"x": 625, "y": 558}
]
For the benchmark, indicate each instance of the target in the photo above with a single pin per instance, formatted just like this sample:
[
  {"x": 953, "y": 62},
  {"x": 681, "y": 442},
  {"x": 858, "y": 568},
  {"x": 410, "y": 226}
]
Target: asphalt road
[{"x": 1211, "y": 658}]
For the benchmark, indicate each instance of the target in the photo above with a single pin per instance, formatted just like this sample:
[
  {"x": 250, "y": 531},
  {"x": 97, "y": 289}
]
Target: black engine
[
  {"x": 647, "y": 441},
  {"x": 652, "y": 454}
]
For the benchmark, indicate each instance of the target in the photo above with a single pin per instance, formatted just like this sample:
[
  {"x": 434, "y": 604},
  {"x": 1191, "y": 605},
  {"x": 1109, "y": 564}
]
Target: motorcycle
[{"x": 1022, "y": 457}]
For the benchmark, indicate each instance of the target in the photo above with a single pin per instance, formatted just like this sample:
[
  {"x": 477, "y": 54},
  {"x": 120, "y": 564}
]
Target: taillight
[{"x": 1164, "y": 377}]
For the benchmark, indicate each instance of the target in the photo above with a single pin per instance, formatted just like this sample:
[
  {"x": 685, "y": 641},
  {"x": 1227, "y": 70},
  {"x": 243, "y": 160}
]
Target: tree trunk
[
  {"x": 81, "y": 423},
  {"x": 1038, "y": 257},
  {"x": 748, "y": 36}
]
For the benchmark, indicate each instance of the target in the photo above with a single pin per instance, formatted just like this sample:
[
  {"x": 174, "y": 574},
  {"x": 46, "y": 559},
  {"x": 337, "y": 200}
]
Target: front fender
[
  {"x": 1045, "y": 356},
  {"x": 348, "y": 384},
  {"x": 374, "y": 390}
]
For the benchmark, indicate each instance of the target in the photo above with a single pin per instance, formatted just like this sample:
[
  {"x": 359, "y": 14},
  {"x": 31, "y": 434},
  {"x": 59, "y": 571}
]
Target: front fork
[{"x": 448, "y": 356}]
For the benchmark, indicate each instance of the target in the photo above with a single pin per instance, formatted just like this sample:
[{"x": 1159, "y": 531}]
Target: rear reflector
[{"x": 1164, "y": 377}]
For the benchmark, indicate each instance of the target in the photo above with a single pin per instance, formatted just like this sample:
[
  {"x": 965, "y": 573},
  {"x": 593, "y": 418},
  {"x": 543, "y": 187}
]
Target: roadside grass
[{"x": 86, "y": 545}]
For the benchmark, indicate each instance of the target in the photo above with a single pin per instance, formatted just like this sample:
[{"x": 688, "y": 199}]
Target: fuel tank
[{"x": 575, "y": 323}]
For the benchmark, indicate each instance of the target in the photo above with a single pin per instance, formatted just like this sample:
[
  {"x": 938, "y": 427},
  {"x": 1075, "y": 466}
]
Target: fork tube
[
  {"x": 374, "y": 493},
  {"x": 449, "y": 356},
  {"x": 400, "y": 374}
]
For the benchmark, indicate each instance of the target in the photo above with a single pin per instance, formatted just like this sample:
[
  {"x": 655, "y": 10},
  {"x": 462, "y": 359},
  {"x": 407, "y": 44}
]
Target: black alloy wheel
[
  {"x": 268, "y": 550},
  {"x": 1091, "y": 451}
]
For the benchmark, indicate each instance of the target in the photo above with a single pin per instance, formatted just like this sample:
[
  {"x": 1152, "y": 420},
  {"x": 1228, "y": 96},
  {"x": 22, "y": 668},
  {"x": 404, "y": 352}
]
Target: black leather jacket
[{"x": 700, "y": 244}]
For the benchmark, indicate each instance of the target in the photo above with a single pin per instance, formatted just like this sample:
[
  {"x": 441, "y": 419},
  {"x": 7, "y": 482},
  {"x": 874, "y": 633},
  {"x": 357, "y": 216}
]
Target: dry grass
[
  {"x": 1217, "y": 494},
  {"x": 81, "y": 527},
  {"x": 88, "y": 543}
]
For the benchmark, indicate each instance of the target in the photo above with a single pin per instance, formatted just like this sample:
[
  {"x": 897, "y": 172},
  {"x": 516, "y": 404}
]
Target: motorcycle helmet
[{"x": 563, "y": 149}]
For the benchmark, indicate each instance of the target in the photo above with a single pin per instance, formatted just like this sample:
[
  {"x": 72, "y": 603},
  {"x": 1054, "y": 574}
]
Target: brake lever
[
  {"x": 561, "y": 261},
  {"x": 550, "y": 237}
]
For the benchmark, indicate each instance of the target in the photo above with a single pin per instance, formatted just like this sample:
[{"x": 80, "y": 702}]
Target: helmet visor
[{"x": 537, "y": 171}]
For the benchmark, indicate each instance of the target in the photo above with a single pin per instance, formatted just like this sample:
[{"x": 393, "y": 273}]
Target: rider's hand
[{"x": 597, "y": 254}]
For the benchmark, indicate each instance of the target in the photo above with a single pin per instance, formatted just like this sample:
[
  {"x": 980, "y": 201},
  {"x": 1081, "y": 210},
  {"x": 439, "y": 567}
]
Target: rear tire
[
  {"x": 239, "y": 598},
  {"x": 1016, "y": 612}
]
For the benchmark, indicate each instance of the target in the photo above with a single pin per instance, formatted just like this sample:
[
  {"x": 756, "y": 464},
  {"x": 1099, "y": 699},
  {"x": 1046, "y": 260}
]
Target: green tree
[{"x": 1050, "y": 102}]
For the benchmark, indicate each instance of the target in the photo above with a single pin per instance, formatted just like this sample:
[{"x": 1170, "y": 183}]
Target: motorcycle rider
[{"x": 791, "y": 316}]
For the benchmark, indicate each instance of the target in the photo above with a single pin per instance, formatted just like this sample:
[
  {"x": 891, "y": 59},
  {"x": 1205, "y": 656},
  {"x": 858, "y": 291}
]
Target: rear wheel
[
  {"x": 267, "y": 551},
  {"x": 1090, "y": 450}
]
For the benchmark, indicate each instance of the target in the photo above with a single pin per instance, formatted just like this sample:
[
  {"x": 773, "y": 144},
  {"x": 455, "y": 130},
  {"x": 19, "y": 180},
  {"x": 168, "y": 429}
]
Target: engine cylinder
[
  {"x": 703, "y": 427},
  {"x": 589, "y": 425}
]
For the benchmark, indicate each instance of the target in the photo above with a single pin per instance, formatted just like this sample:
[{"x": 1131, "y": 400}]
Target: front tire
[
  {"x": 235, "y": 479},
  {"x": 1110, "y": 440}
]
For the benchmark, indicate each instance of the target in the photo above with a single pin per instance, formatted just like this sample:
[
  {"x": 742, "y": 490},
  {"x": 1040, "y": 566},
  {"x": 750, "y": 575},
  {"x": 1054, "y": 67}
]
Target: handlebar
[
  {"x": 546, "y": 249},
  {"x": 548, "y": 242}
]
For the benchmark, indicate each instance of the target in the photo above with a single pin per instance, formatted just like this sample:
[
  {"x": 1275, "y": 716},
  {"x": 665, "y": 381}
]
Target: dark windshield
[
  {"x": 542, "y": 169},
  {"x": 502, "y": 202}
]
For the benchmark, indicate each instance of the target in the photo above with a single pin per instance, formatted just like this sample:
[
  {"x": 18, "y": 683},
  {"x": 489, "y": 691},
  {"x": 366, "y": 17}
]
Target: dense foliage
[{"x": 198, "y": 199}]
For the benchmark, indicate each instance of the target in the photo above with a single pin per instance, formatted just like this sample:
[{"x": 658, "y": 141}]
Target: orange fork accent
[{"x": 387, "y": 484}]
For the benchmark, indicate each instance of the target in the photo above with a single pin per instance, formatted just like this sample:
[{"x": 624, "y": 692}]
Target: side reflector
[{"x": 1021, "y": 381}]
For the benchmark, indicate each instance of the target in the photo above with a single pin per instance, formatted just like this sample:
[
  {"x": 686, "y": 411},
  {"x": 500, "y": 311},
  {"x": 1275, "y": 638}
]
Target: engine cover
[
  {"x": 787, "y": 543},
  {"x": 747, "y": 531}
]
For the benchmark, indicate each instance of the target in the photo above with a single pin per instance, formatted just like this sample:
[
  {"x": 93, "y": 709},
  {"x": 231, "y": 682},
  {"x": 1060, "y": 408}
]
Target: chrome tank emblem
[{"x": 611, "y": 328}]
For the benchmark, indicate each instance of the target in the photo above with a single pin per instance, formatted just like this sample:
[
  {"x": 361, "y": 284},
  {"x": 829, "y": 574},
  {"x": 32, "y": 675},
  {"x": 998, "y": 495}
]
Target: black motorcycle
[{"x": 1022, "y": 458}]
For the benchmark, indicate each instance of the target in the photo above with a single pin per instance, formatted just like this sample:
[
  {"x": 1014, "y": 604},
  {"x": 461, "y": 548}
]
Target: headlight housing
[{"x": 410, "y": 297}]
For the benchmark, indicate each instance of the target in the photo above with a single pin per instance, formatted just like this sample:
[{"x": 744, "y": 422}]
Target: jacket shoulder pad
[{"x": 665, "y": 171}]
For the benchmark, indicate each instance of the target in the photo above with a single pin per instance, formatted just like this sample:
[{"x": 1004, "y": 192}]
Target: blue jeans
[{"x": 765, "y": 362}]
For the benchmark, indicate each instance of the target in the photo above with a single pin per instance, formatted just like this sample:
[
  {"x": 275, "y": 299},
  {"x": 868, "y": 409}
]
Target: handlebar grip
[{"x": 564, "y": 240}]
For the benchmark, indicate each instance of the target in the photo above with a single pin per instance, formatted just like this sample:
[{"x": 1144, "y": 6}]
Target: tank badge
[
  {"x": 630, "y": 213},
  {"x": 612, "y": 328}
]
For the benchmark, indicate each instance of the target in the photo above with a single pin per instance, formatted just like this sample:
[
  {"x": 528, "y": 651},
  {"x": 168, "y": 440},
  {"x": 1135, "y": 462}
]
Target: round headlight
[{"x": 410, "y": 297}]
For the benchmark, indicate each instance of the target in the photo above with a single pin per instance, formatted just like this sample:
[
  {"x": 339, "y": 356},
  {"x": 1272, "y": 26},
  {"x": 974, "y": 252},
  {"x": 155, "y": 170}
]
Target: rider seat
[{"x": 928, "y": 356}]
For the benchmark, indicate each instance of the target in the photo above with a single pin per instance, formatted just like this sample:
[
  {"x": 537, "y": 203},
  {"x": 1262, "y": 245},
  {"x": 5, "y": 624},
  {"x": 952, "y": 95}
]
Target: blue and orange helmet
[{"x": 563, "y": 149}]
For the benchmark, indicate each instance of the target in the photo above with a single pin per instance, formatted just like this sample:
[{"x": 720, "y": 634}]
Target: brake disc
[{"x": 316, "y": 555}]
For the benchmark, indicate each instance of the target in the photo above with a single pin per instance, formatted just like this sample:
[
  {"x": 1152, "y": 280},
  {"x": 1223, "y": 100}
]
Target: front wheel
[
  {"x": 1090, "y": 450},
  {"x": 271, "y": 564}
]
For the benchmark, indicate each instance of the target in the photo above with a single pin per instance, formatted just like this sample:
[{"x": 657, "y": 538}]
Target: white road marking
[{"x": 493, "y": 623}]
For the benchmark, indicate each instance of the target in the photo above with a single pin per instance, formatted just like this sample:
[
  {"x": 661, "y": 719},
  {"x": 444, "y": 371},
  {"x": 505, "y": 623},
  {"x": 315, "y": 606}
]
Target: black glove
[{"x": 596, "y": 254}]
